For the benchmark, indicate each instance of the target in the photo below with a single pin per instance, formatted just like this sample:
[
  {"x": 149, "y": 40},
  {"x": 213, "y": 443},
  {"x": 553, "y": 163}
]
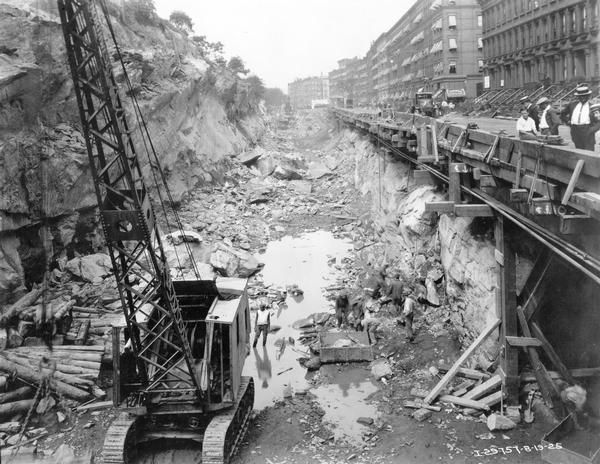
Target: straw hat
[
  {"x": 542, "y": 100},
  {"x": 582, "y": 90}
]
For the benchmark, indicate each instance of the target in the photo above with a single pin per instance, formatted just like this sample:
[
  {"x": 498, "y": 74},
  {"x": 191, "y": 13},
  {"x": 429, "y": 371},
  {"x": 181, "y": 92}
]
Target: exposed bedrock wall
[{"x": 464, "y": 247}]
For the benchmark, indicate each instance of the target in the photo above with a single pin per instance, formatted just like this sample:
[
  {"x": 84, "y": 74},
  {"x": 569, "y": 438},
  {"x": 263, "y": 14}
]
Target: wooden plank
[
  {"x": 436, "y": 153},
  {"x": 473, "y": 211},
  {"x": 523, "y": 341},
  {"x": 439, "y": 207},
  {"x": 517, "y": 183},
  {"x": 492, "y": 399},
  {"x": 588, "y": 201},
  {"x": 547, "y": 387},
  {"x": 483, "y": 389},
  {"x": 486, "y": 180},
  {"x": 518, "y": 195},
  {"x": 454, "y": 171},
  {"x": 424, "y": 177},
  {"x": 549, "y": 350},
  {"x": 572, "y": 182},
  {"x": 458, "y": 401},
  {"x": 528, "y": 376},
  {"x": 465, "y": 372},
  {"x": 468, "y": 352},
  {"x": 533, "y": 293},
  {"x": 579, "y": 224},
  {"x": 420, "y": 405}
]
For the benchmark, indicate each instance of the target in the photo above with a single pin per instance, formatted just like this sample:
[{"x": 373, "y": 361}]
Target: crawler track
[
  {"x": 225, "y": 431},
  {"x": 120, "y": 440}
]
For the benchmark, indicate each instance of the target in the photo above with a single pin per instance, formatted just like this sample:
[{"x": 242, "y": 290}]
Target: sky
[{"x": 281, "y": 40}]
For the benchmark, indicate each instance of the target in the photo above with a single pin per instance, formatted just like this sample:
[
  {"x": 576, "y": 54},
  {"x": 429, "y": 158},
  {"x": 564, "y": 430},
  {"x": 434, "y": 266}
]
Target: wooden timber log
[
  {"x": 21, "y": 393},
  {"x": 82, "y": 333},
  {"x": 33, "y": 376},
  {"x": 10, "y": 409},
  {"x": 24, "y": 302},
  {"x": 66, "y": 378}
]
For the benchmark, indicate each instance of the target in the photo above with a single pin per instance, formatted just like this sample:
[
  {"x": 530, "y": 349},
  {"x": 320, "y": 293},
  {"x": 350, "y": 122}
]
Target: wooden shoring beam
[
  {"x": 492, "y": 150},
  {"x": 433, "y": 394},
  {"x": 552, "y": 356},
  {"x": 578, "y": 224},
  {"x": 506, "y": 270},
  {"x": 572, "y": 182},
  {"x": 533, "y": 293},
  {"x": 473, "y": 210},
  {"x": 523, "y": 341},
  {"x": 439, "y": 207},
  {"x": 547, "y": 386},
  {"x": 485, "y": 388},
  {"x": 454, "y": 172},
  {"x": 588, "y": 202}
]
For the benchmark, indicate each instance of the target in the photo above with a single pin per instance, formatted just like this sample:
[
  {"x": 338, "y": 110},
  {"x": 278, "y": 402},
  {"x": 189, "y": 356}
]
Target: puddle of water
[
  {"x": 292, "y": 260},
  {"x": 343, "y": 398}
]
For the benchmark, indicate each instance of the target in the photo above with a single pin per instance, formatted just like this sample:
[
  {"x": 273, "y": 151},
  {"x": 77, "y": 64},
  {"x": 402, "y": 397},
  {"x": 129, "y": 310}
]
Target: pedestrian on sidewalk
[
  {"x": 408, "y": 314},
  {"x": 262, "y": 323},
  {"x": 577, "y": 115},
  {"x": 549, "y": 120},
  {"x": 526, "y": 129},
  {"x": 532, "y": 111}
]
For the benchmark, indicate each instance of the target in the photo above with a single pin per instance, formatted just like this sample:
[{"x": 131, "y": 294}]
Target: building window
[
  {"x": 573, "y": 22},
  {"x": 452, "y": 21},
  {"x": 563, "y": 24},
  {"x": 452, "y": 45},
  {"x": 452, "y": 67},
  {"x": 480, "y": 65},
  {"x": 479, "y": 43},
  {"x": 479, "y": 21},
  {"x": 583, "y": 18}
]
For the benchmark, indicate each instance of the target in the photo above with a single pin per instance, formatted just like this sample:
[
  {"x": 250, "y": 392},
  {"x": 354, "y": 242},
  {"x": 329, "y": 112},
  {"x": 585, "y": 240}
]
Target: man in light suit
[
  {"x": 532, "y": 111},
  {"x": 577, "y": 115}
]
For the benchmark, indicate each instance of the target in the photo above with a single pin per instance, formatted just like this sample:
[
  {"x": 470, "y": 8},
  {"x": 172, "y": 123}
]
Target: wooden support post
[
  {"x": 549, "y": 350},
  {"x": 547, "y": 387},
  {"x": 434, "y": 142},
  {"x": 454, "y": 172},
  {"x": 116, "y": 359},
  {"x": 507, "y": 282},
  {"x": 473, "y": 210},
  {"x": 492, "y": 151},
  {"x": 517, "y": 183},
  {"x": 439, "y": 207}
]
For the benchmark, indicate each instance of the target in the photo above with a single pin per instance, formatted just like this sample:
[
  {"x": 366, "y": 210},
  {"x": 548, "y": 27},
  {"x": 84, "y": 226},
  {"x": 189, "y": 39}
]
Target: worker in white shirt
[
  {"x": 577, "y": 115},
  {"x": 526, "y": 126},
  {"x": 262, "y": 323}
]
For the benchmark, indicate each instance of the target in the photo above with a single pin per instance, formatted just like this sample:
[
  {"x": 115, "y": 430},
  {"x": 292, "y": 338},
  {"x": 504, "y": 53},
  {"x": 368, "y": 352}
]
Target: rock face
[
  {"x": 192, "y": 111},
  {"x": 231, "y": 262}
]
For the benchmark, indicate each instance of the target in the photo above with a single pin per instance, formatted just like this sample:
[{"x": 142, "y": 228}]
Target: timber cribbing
[{"x": 550, "y": 191}]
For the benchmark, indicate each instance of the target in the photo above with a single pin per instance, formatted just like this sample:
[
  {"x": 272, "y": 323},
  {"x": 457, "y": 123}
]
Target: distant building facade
[
  {"x": 529, "y": 42},
  {"x": 302, "y": 92},
  {"x": 437, "y": 45}
]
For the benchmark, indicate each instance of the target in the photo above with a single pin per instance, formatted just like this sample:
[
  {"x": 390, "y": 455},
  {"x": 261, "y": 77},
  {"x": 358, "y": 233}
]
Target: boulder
[
  {"x": 313, "y": 363},
  {"x": 498, "y": 422},
  {"x": 90, "y": 268},
  {"x": 381, "y": 368},
  {"x": 249, "y": 157},
  {"x": 232, "y": 262},
  {"x": 422, "y": 414},
  {"x": 266, "y": 165},
  {"x": 301, "y": 186},
  {"x": 286, "y": 173},
  {"x": 432, "y": 295},
  {"x": 317, "y": 170},
  {"x": 178, "y": 237},
  {"x": 365, "y": 420}
]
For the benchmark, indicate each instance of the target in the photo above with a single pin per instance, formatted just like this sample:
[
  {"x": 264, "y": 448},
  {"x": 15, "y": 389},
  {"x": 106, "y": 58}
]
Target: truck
[{"x": 180, "y": 373}]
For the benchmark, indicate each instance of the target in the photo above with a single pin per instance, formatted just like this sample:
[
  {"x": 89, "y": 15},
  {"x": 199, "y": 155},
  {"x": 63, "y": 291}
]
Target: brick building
[
  {"x": 436, "y": 45},
  {"x": 303, "y": 91},
  {"x": 527, "y": 42}
]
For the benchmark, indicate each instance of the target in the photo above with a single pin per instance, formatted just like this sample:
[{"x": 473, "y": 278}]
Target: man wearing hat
[
  {"x": 532, "y": 111},
  {"x": 549, "y": 120},
  {"x": 577, "y": 115}
]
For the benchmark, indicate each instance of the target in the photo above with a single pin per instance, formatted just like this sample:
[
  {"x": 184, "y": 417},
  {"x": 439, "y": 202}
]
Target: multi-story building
[
  {"x": 529, "y": 42},
  {"x": 436, "y": 45},
  {"x": 343, "y": 81},
  {"x": 303, "y": 91}
]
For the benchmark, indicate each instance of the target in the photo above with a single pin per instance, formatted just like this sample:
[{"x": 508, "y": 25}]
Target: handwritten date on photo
[{"x": 515, "y": 449}]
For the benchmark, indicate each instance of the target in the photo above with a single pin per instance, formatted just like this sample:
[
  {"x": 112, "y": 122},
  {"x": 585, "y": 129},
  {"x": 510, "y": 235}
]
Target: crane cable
[{"x": 147, "y": 141}]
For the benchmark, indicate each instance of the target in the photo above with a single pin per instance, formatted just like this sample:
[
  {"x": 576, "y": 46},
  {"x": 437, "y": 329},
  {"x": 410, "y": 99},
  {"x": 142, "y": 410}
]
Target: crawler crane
[{"x": 188, "y": 338}]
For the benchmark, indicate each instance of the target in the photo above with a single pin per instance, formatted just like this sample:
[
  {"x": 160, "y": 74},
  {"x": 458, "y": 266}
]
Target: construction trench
[{"x": 496, "y": 240}]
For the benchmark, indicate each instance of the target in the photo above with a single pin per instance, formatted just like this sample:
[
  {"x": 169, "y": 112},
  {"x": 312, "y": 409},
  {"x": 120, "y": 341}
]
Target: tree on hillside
[
  {"x": 236, "y": 65},
  {"x": 143, "y": 10},
  {"x": 182, "y": 21},
  {"x": 274, "y": 97},
  {"x": 216, "y": 52},
  {"x": 256, "y": 88}
]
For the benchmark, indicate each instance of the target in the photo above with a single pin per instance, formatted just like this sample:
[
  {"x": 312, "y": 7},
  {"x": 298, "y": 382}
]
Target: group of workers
[
  {"x": 358, "y": 310},
  {"x": 581, "y": 115}
]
